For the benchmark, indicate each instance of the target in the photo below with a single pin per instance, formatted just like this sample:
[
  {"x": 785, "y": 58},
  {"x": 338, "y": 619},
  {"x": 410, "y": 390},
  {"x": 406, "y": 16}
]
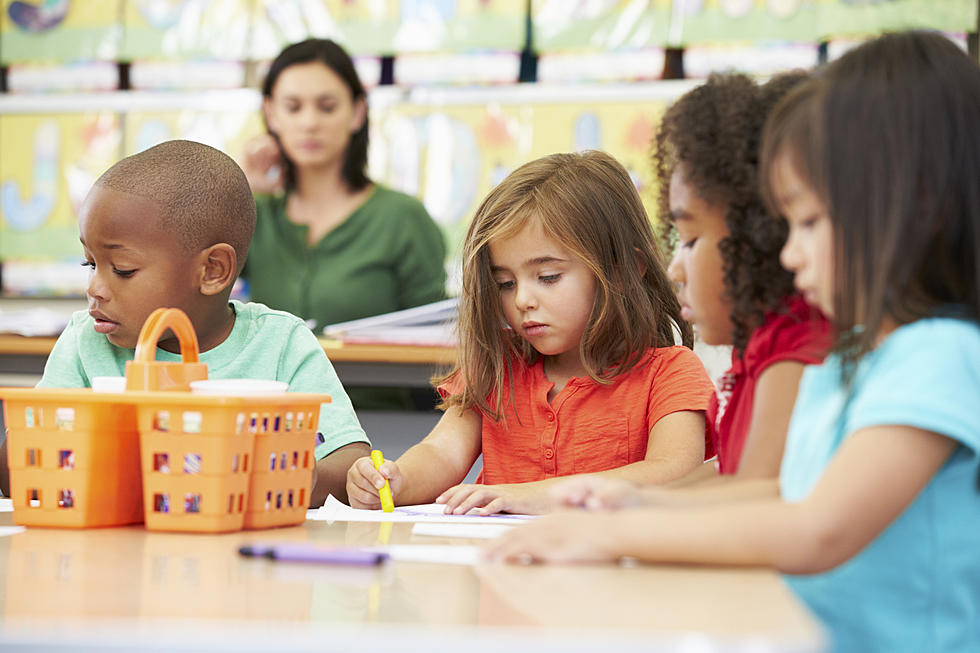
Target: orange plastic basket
[
  {"x": 198, "y": 462},
  {"x": 73, "y": 457}
]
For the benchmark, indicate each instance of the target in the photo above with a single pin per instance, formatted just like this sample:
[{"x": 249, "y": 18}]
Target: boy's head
[{"x": 170, "y": 226}]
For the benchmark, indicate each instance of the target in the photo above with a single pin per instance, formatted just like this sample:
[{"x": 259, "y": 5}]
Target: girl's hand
[
  {"x": 597, "y": 493},
  {"x": 364, "y": 481},
  {"x": 523, "y": 498},
  {"x": 562, "y": 537},
  {"x": 262, "y": 164}
]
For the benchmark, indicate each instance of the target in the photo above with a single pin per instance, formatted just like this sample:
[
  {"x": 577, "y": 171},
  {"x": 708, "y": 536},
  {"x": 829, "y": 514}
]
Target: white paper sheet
[
  {"x": 11, "y": 530},
  {"x": 334, "y": 510},
  {"x": 442, "y": 554},
  {"x": 482, "y": 531},
  {"x": 6, "y": 505}
]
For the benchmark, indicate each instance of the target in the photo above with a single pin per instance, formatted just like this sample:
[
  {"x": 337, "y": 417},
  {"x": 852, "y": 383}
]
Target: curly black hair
[{"x": 714, "y": 133}]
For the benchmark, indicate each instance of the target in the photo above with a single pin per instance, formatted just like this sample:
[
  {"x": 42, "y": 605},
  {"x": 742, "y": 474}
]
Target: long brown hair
[
  {"x": 587, "y": 202},
  {"x": 889, "y": 139}
]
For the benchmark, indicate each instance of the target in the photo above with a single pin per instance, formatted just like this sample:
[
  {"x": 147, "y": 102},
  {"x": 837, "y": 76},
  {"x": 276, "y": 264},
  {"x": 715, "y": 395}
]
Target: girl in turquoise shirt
[{"x": 876, "y": 514}]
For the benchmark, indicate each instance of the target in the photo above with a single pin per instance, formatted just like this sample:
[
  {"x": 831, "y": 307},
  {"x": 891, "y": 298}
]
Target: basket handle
[{"x": 159, "y": 321}]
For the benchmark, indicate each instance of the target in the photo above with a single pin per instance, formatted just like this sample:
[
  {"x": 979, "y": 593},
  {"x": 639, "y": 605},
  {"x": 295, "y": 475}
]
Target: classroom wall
[{"x": 191, "y": 68}]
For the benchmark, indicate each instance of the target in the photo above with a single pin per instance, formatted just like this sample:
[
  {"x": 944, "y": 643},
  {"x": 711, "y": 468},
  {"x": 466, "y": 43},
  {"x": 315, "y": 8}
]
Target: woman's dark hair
[
  {"x": 889, "y": 139},
  {"x": 336, "y": 59},
  {"x": 712, "y": 133}
]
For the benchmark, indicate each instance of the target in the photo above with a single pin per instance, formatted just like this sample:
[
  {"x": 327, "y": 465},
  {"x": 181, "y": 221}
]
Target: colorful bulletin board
[
  {"x": 749, "y": 20},
  {"x": 48, "y": 165},
  {"x": 391, "y": 26},
  {"x": 625, "y": 24},
  {"x": 561, "y": 25},
  {"x": 225, "y": 129},
  {"x": 186, "y": 29},
  {"x": 59, "y": 30},
  {"x": 452, "y": 148}
]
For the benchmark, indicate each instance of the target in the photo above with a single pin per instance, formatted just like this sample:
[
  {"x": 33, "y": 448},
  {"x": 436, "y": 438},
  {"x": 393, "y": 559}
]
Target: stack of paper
[{"x": 430, "y": 325}]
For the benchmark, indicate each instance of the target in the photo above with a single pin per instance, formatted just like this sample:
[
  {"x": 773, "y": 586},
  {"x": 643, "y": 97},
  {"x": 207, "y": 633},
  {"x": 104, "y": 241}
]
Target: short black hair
[
  {"x": 334, "y": 57},
  {"x": 202, "y": 193}
]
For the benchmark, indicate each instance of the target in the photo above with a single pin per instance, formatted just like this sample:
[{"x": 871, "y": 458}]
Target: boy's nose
[{"x": 96, "y": 289}]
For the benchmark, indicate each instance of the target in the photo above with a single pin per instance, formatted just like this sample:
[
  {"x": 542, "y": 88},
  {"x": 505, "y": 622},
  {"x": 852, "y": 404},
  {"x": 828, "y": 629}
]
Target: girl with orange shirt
[{"x": 566, "y": 363}]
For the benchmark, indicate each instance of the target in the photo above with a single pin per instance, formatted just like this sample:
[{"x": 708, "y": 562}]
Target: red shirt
[
  {"x": 800, "y": 334},
  {"x": 588, "y": 427}
]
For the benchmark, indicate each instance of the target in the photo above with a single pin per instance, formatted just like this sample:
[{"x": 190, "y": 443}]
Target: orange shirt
[{"x": 588, "y": 427}]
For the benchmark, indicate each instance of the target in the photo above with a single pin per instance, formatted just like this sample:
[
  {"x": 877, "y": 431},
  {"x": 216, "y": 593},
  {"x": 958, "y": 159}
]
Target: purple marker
[{"x": 309, "y": 553}]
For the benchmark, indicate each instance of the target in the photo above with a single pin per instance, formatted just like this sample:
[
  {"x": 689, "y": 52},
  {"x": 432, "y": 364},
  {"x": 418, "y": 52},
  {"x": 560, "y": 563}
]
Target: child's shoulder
[
  {"x": 263, "y": 316},
  {"x": 934, "y": 336},
  {"x": 675, "y": 359}
]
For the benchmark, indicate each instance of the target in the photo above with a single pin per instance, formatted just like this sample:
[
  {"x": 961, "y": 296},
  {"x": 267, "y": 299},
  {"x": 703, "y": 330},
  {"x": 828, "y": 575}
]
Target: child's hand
[
  {"x": 597, "y": 493},
  {"x": 523, "y": 498},
  {"x": 262, "y": 164},
  {"x": 364, "y": 481},
  {"x": 562, "y": 537}
]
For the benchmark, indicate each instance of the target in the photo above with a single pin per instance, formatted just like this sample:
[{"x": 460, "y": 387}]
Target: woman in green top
[{"x": 330, "y": 245}]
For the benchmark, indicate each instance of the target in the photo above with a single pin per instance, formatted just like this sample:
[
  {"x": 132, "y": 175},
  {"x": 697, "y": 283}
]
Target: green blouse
[{"x": 386, "y": 256}]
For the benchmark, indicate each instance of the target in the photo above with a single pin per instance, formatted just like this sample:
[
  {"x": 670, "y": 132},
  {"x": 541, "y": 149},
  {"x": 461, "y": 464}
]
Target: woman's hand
[{"x": 262, "y": 164}]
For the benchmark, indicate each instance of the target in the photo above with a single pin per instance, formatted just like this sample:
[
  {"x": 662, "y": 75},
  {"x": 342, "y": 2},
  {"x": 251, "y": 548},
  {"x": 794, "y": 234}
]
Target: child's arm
[
  {"x": 330, "y": 474},
  {"x": 864, "y": 488},
  {"x": 772, "y": 407},
  {"x": 442, "y": 459},
  {"x": 675, "y": 446}
]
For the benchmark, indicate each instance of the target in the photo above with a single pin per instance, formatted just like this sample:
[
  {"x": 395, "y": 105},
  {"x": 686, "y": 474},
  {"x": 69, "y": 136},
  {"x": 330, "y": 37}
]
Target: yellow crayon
[{"x": 387, "y": 505}]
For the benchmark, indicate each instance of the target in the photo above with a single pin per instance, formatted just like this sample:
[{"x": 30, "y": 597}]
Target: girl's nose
[
  {"x": 789, "y": 256},
  {"x": 524, "y": 297}
]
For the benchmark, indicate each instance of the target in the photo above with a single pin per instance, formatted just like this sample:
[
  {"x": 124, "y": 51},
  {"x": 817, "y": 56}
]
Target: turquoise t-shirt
[
  {"x": 916, "y": 587},
  {"x": 263, "y": 344}
]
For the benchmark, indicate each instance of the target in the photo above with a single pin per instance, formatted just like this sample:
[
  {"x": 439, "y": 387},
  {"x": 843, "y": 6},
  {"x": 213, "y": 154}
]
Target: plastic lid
[
  {"x": 108, "y": 384},
  {"x": 238, "y": 387}
]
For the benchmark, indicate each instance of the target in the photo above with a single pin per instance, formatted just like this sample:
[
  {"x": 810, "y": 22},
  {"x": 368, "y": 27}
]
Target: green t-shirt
[
  {"x": 386, "y": 256},
  {"x": 263, "y": 344}
]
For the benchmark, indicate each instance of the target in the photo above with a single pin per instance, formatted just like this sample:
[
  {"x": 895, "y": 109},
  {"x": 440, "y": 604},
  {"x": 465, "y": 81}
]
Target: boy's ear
[{"x": 219, "y": 267}]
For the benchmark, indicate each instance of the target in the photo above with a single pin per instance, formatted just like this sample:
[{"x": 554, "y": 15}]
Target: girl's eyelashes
[
  {"x": 688, "y": 244},
  {"x": 505, "y": 285},
  {"x": 549, "y": 278}
]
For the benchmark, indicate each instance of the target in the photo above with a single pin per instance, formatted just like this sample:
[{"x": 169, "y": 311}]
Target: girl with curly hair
[{"x": 726, "y": 265}]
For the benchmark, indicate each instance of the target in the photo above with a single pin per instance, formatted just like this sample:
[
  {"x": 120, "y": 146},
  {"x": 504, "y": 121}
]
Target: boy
[{"x": 171, "y": 227}]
